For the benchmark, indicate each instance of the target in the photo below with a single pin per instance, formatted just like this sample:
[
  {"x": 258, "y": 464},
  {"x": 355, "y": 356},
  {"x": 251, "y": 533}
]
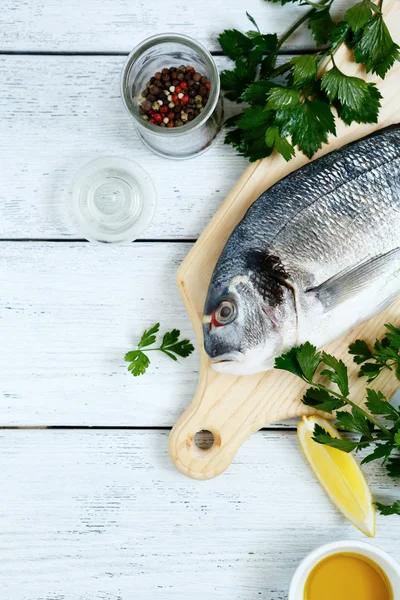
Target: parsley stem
[
  {"x": 296, "y": 25},
  {"x": 280, "y": 70},
  {"x": 290, "y": 31},
  {"x": 354, "y": 405},
  {"x": 161, "y": 348},
  {"x": 151, "y": 349},
  {"x": 316, "y": 5}
]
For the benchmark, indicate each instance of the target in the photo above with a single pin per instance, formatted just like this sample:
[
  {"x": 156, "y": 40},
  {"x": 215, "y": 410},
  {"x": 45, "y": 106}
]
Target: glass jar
[{"x": 165, "y": 51}]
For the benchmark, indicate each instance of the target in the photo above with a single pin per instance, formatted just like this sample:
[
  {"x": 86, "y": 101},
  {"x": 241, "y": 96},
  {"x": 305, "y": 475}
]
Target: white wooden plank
[
  {"x": 94, "y": 515},
  {"x": 57, "y": 113},
  {"x": 118, "y": 25},
  {"x": 68, "y": 314}
]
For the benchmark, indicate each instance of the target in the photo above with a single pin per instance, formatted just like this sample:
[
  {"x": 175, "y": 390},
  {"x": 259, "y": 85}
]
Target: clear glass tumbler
[{"x": 152, "y": 55}]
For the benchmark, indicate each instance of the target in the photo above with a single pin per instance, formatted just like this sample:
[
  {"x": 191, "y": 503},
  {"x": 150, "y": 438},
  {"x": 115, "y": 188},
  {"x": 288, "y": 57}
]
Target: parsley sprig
[
  {"x": 385, "y": 354},
  {"x": 171, "y": 345},
  {"x": 291, "y": 105},
  {"x": 378, "y": 427},
  {"x": 391, "y": 509}
]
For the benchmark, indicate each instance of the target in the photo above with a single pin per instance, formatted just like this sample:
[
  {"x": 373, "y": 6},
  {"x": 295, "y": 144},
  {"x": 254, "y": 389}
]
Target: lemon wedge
[{"x": 340, "y": 475}]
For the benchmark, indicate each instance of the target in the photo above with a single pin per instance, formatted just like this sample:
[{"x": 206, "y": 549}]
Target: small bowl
[
  {"x": 386, "y": 562},
  {"x": 111, "y": 200}
]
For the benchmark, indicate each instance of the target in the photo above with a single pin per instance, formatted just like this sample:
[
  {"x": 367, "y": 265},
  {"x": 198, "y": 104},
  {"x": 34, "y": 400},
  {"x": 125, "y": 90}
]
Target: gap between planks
[
  {"x": 83, "y": 240},
  {"x": 289, "y": 427},
  {"x": 286, "y": 52}
]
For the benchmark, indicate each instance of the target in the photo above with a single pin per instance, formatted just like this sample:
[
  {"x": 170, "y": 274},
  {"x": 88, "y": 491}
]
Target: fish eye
[{"x": 225, "y": 313}]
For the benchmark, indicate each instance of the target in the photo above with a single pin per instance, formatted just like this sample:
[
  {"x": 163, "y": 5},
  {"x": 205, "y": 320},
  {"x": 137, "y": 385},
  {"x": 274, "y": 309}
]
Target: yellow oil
[{"x": 347, "y": 576}]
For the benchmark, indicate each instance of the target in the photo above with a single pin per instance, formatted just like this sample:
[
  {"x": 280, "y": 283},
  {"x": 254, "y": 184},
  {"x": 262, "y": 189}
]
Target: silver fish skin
[{"x": 315, "y": 255}]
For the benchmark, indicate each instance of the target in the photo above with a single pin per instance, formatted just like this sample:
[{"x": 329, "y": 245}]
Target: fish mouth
[{"x": 228, "y": 357}]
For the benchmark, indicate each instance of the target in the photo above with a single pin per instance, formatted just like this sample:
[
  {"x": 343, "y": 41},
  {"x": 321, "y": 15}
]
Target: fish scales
[{"x": 331, "y": 216}]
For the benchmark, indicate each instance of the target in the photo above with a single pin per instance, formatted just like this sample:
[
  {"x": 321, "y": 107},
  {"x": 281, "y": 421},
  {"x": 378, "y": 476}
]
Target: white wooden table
[{"x": 90, "y": 506}]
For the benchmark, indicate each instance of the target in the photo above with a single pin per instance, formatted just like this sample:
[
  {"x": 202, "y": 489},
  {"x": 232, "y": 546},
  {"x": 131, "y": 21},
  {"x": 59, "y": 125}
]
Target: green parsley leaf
[
  {"x": 267, "y": 42},
  {"x": 252, "y": 34},
  {"x": 369, "y": 109},
  {"x": 384, "y": 349},
  {"x": 361, "y": 424},
  {"x": 234, "y": 43},
  {"x": 305, "y": 69},
  {"x": 393, "y": 336},
  {"x": 370, "y": 370},
  {"x": 171, "y": 337},
  {"x": 253, "y": 145},
  {"x": 376, "y": 49},
  {"x": 380, "y": 451},
  {"x": 149, "y": 337},
  {"x": 338, "y": 374},
  {"x": 231, "y": 121},
  {"x": 288, "y": 362},
  {"x": 268, "y": 65},
  {"x": 388, "y": 509},
  {"x": 281, "y": 145},
  {"x": 302, "y": 107},
  {"x": 234, "y": 137},
  {"x": 358, "y": 15},
  {"x": 378, "y": 405},
  {"x": 248, "y": 51},
  {"x": 321, "y": 26},
  {"x": 322, "y": 400},
  {"x": 282, "y": 97},
  {"x": 354, "y": 99},
  {"x": 321, "y": 436},
  {"x": 355, "y": 422},
  {"x": 309, "y": 124},
  {"x": 138, "y": 362},
  {"x": 252, "y": 20},
  {"x": 256, "y": 93},
  {"x": 171, "y": 346},
  {"x": 253, "y": 124},
  {"x": 345, "y": 421},
  {"x": 236, "y": 81},
  {"x": 393, "y": 467},
  {"x": 361, "y": 351},
  {"x": 253, "y": 118},
  {"x": 340, "y": 32},
  {"x": 264, "y": 52},
  {"x": 397, "y": 438},
  {"x": 308, "y": 359}
]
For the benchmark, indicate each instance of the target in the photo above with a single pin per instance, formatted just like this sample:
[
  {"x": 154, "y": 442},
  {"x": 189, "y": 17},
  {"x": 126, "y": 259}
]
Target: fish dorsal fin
[{"x": 352, "y": 281}]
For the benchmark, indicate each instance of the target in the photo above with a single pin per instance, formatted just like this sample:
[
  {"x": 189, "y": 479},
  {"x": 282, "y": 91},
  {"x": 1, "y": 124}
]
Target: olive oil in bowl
[{"x": 347, "y": 576}]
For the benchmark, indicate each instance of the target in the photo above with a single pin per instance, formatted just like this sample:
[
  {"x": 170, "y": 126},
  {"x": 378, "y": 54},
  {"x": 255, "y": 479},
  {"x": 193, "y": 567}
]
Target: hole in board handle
[{"x": 204, "y": 439}]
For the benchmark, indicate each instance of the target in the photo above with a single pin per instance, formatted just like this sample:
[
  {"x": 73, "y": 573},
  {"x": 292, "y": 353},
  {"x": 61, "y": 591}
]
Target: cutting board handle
[
  {"x": 225, "y": 411},
  {"x": 200, "y": 445}
]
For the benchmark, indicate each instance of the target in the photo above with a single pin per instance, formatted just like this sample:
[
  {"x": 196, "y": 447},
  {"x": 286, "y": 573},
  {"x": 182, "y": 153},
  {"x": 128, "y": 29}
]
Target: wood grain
[
  {"x": 68, "y": 314},
  {"x": 118, "y": 25},
  {"x": 103, "y": 515},
  {"x": 234, "y": 407}
]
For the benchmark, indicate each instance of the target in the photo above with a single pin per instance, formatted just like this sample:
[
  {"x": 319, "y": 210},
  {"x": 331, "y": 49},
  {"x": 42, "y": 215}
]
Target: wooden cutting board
[{"x": 233, "y": 407}]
